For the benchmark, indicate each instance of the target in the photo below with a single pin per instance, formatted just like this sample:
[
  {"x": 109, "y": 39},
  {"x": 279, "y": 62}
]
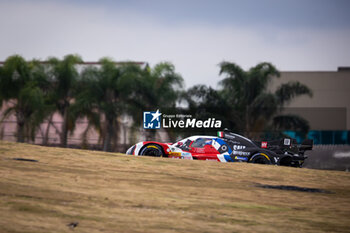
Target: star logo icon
[
  {"x": 156, "y": 115},
  {"x": 151, "y": 120}
]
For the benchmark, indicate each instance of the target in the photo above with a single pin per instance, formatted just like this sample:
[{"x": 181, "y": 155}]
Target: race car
[{"x": 228, "y": 147}]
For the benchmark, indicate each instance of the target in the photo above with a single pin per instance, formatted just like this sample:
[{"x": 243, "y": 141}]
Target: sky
[{"x": 195, "y": 35}]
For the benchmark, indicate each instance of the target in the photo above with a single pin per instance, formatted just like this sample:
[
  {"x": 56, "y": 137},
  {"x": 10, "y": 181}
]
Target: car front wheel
[
  {"x": 152, "y": 150},
  {"x": 260, "y": 158}
]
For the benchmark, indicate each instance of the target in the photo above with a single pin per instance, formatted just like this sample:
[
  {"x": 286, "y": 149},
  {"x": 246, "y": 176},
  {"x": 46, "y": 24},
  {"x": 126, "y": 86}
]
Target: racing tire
[
  {"x": 260, "y": 158},
  {"x": 286, "y": 161},
  {"x": 152, "y": 150}
]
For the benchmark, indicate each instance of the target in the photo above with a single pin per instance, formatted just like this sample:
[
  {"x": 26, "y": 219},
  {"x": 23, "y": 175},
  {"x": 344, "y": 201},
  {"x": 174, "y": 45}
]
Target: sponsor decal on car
[
  {"x": 263, "y": 144},
  {"x": 240, "y": 153},
  {"x": 241, "y": 158},
  {"x": 222, "y": 134},
  {"x": 238, "y": 147},
  {"x": 286, "y": 142},
  {"x": 186, "y": 155},
  {"x": 211, "y": 159},
  {"x": 177, "y": 154}
]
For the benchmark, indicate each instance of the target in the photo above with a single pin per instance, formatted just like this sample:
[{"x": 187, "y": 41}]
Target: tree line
[{"x": 36, "y": 90}]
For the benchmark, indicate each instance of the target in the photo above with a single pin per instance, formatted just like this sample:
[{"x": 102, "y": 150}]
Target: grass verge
[{"x": 117, "y": 193}]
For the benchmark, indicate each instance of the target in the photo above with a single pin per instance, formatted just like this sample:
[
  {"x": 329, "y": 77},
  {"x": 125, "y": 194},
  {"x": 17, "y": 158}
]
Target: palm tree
[
  {"x": 20, "y": 83},
  {"x": 150, "y": 89},
  {"x": 205, "y": 102},
  {"x": 64, "y": 76},
  {"x": 255, "y": 106},
  {"x": 100, "y": 98},
  {"x": 166, "y": 85}
]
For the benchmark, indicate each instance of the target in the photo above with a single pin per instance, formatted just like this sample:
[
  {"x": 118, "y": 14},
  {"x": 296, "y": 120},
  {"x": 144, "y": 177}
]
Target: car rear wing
[
  {"x": 307, "y": 144},
  {"x": 287, "y": 144}
]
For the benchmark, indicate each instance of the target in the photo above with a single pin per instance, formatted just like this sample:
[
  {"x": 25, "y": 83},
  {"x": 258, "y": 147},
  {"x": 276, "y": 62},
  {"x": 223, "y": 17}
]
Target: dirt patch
[
  {"x": 26, "y": 160},
  {"x": 73, "y": 225},
  {"x": 292, "y": 188}
]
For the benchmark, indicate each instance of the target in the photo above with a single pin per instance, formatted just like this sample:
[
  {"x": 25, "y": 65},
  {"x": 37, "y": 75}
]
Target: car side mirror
[{"x": 180, "y": 143}]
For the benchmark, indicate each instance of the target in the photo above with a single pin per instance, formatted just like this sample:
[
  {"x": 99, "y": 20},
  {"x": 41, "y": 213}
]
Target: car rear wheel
[
  {"x": 152, "y": 150},
  {"x": 260, "y": 158},
  {"x": 286, "y": 161}
]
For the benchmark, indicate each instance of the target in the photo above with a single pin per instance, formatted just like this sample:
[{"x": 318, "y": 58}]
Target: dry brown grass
[{"x": 117, "y": 193}]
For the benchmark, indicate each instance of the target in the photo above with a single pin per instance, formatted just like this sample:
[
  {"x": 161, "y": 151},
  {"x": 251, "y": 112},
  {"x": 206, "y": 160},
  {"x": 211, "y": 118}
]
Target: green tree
[
  {"x": 20, "y": 83},
  {"x": 100, "y": 98},
  {"x": 205, "y": 102},
  {"x": 64, "y": 76},
  {"x": 151, "y": 89},
  {"x": 255, "y": 107}
]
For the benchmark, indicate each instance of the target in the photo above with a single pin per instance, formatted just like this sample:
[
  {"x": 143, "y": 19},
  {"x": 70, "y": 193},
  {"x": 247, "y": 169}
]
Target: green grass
[{"x": 113, "y": 192}]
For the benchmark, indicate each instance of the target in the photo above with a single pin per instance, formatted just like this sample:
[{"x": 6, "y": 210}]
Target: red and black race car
[{"x": 228, "y": 147}]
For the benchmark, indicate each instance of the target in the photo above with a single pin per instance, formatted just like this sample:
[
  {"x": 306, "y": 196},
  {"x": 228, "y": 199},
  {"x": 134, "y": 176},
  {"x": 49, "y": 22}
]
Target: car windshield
[
  {"x": 181, "y": 142},
  {"x": 201, "y": 142},
  {"x": 198, "y": 142}
]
